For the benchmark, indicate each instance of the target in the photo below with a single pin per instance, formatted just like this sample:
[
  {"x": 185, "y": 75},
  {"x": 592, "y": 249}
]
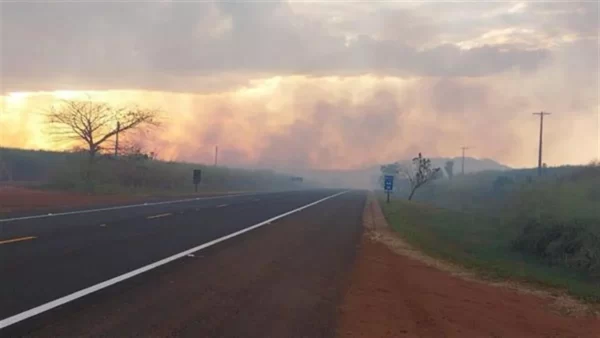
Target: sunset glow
[
  {"x": 330, "y": 86},
  {"x": 252, "y": 124}
]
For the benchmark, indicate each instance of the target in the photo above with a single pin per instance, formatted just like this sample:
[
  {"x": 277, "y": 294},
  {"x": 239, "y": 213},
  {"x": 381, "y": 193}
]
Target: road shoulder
[{"x": 395, "y": 290}]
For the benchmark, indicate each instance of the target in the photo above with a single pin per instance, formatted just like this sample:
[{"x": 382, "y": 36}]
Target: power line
[
  {"x": 541, "y": 114},
  {"x": 216, "y": 155}
]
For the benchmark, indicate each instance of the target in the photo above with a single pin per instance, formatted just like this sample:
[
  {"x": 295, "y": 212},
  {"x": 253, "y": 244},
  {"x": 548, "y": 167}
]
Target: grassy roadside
[
  {"x": 481, "y": 243},
  {"x": 135, "y": 174}
]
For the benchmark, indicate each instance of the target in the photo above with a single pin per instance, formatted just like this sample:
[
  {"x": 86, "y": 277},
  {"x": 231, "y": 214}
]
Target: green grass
[{"x": 482, "y": 243}]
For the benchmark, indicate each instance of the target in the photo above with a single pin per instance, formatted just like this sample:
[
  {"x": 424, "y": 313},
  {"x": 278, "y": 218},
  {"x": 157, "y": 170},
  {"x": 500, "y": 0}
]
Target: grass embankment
[
  {"x": 132, "y": 174},
  {"x": 543, "y": 232}
]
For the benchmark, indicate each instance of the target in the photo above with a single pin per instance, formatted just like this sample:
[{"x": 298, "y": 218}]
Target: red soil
[
  {"x": 394, "y": 296},
  {"x": 24, "y": 199}
]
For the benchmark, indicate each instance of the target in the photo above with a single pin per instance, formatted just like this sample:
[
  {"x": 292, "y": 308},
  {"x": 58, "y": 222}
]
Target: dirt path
[{"x": 393, "y": 295}]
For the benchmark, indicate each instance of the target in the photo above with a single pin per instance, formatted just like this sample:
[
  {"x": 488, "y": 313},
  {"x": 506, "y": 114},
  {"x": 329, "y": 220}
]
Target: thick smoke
[{"x": 337, "y": 124}]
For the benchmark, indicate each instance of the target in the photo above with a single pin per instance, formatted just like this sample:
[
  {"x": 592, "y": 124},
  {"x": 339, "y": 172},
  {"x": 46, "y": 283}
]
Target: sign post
[
  {"x": 388, "y": 185},
  {"x": 197, "y": 178}
]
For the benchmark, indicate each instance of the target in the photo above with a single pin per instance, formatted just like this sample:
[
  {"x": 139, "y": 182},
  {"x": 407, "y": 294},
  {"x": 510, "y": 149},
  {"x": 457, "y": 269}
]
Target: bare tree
[
  {"x": 94, "y": 123},
  {"x": 421, "y": 173}
]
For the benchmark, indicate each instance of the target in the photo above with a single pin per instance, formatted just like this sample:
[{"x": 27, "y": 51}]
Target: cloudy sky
[{"x": 320, "y": 84}]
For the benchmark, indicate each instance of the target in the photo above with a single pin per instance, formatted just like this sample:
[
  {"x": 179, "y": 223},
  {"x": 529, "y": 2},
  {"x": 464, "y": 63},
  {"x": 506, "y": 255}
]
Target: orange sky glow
[{"x": 327, "y": 120}]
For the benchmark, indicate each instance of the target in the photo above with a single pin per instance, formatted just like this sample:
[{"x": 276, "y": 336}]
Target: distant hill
[
  {"x": 367, "y": 178},
  {"x": 472, "y": 165}
]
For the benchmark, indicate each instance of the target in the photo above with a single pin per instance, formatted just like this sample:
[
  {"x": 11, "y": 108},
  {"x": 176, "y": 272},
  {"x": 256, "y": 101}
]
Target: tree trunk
[
  {"x": 89, "y": 179},
  {"x": 412, "y": 193}
]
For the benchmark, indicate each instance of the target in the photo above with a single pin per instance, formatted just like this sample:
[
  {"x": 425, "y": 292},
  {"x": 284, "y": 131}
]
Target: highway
[{"x": 267, "y": 264}]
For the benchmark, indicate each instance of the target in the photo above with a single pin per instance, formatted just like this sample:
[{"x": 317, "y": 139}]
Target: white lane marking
[
  {"x": 103, "y": 225},
  {"x": 159, "y": 216},
  {"x": 84, "y": 292},
  {"x": 222, "y": 205},
  {"x": 5, "y": 220},
  {"x": 20, "y": 239}
]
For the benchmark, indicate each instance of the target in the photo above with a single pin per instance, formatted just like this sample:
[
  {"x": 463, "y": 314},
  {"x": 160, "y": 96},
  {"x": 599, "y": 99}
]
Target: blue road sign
[{"x": 388, "y": 183}]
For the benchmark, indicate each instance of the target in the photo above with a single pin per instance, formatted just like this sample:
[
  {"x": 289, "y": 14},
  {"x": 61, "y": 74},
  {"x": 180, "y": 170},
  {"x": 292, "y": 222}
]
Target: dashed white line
[
  {"x": 6, "y": 220},
  {"x": 159, "y": 216}
]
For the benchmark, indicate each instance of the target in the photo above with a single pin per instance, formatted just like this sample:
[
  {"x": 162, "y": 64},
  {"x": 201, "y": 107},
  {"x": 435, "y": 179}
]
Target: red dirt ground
[
  {"x": 391, "y": 295},
  {"x": 24, "y": 199},
  {"x": 15, "y": 198}
]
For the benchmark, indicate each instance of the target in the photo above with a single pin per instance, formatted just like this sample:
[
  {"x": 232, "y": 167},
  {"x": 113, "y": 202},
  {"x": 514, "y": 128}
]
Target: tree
[
  {"x": 94, "y": 123},
  {"x": 449, "y": 168},
  {"x": 420, "y": 174}
]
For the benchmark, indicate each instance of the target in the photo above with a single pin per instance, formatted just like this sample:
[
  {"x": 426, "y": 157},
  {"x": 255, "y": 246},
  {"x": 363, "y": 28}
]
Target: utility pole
[
  {"x": 541, "y": 114},
  {"x": 117, "y": 139},
  {"x": 216, "y": 155},
  {"x": 464, "y": 149}
]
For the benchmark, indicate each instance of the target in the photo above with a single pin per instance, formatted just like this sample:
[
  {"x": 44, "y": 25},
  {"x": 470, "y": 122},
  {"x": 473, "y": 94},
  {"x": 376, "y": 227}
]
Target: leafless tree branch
[
  {"x": 94, "y": 123},
  {"x": 420, "y": 174}
]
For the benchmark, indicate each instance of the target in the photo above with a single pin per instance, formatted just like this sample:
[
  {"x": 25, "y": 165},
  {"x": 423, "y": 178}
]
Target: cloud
[
  {"x": 184, "y": 46},
  {"x": 300, "y": 85},
  {"x": 578, "y": 17}
]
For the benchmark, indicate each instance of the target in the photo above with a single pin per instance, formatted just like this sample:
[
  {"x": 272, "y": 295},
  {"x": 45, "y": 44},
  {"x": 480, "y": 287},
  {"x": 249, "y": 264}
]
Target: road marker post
[
  {"x": 197, "y": 178},
  {"x": 388, "y": 185}
]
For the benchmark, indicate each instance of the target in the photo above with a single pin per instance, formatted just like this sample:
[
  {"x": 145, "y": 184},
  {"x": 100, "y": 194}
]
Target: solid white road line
[
  {"x": 5, "y": 220},
  {"x": 81, "y": 293}
]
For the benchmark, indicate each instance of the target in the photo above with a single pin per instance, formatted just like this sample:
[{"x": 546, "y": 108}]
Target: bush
[
  {"x": 555, "y": 217},
  {"x": 575, "y": 244}
]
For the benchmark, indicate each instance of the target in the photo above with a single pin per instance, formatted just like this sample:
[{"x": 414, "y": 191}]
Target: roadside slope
[{"x": 395, "y": 295}]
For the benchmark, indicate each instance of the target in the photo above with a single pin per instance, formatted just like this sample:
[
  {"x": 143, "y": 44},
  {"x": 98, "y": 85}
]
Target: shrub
[{"x": 575, "y": 244}]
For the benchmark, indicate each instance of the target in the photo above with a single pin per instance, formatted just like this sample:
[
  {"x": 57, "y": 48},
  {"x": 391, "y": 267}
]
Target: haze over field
[{"x": 315, "y": 85}]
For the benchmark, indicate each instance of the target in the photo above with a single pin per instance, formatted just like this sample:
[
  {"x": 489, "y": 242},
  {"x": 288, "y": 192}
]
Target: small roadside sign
[
  {"x": 388, "y": 182},
  {"x": 197, "y": 178},
  {"x": 388, "y": 185}
]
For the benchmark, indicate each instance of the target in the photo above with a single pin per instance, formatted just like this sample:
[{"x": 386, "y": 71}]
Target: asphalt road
[{"x": 278, "y": 278}]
